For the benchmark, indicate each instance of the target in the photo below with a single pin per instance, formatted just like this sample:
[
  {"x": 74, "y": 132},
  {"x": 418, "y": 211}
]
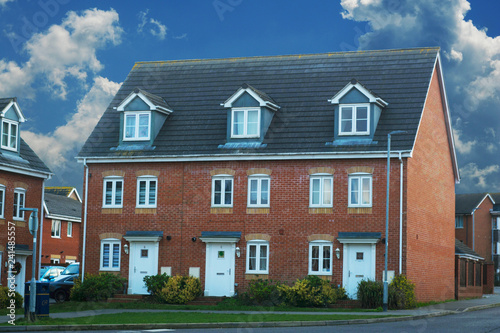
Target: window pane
[
  {"x": 143, "y": 125},
  {"x": 227, "y": 191},
  {"x": 13, "y": 136},
  {"x": 105, "y": 255},
  {"x": 118, "y": 193},
  {"x": 361, "y": 119},
  {"x": 253, "y": 191},
  {"x": 238, "y": 122},
  {"x": 116, "y": 255},
  {"x": 217, "y": 192},
  {"x": 130, "y": 126},
  {"x": 16, "y": 198},
  {"x": 326, "y": 258},
  {"x": 142, "y": 192},
  {"x": 327, "y": 191},
  {"x": 152, "y": 192},
  {"x": 264, "y": 192},
  {"x": 263, "y": 257},
  {"x": 366, "y": 191},
  {"x": 346, "y": 119},
  {"x": 315, "y": 191},
  {"x": 354, "y": 191},
  {"x": 252, "y": 257},
  {"x": 5, "y": 134},
  {"x": 253, "y": 123}
]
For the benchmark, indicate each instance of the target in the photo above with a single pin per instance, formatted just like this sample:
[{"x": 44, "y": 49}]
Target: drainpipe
[
  {"x": 400, "y": 215},
  {"x": 473, "y": 229},
  {"x": 82, "y": 268},
  {"x": 41, "y": 228}
]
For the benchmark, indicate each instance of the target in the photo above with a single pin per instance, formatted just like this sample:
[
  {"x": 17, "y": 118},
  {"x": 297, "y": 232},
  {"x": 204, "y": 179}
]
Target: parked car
[
  {"x": 72, "y": 269},
  {"x": 51, "y": 273},
  {"x": 60, "y": 287}
]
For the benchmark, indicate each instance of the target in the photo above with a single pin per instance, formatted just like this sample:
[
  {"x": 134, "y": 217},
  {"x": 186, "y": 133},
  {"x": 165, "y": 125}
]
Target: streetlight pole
[
  {"x": 33, "y": 228},
  {"x": 386, "y": 285}
]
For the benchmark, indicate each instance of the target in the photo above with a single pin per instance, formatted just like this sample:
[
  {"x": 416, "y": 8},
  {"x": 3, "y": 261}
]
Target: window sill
[
  {"x": 320, "y": 210},
  {"x": 111, "y": 210},
  {"x": 258, "y": 210},
  {"x": 359, "y": 210},
  {"x": 252, "y": 276},
  {"x": 221, "y": 210},
  {"x": 145, "y": 210},
  {"x": 55, "y": 237}
]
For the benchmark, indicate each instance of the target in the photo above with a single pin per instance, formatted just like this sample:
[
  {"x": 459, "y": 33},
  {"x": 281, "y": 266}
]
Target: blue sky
[{"x": 65, "y": 59}]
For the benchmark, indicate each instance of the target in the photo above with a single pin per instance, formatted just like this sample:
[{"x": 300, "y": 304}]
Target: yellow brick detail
[
  {"x": 259, "y": 171},
  {"x": 111, "y": 211},
  {"x": 110, "y": 235},
  {"x": 21, "y": 185},
  {"x": 320, "y": 210},
  {"x": 155, "y": 173},
  {"x": 324, "y": 237},
  {"x": 359, "y": 210},
  {"x": 21, "y": 224},
  {"x": 357, "y": 169},
  {"x": 145, "y": 210},
  {"x": 327, "y": 170},
  {"x": 256, "y": 276},
  {"x": 219, "y": 210},
  {"x": 109, "y": 173},
  {"x": 258, "y": 210},
  {"x": 265, "y": 237},
  {"x": 225, "y": 171}
]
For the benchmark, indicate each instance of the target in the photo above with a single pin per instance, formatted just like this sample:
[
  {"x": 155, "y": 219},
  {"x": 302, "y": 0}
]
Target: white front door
[
  {"x": 219, "y": 269},
  {"x": 359, "y": 264},
  {"x": 143, "y": 262},
  {"x": 21, "y": 276}
]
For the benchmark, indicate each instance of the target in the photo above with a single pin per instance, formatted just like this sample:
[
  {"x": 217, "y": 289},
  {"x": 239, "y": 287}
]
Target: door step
[{"x": 206, "y": 300}]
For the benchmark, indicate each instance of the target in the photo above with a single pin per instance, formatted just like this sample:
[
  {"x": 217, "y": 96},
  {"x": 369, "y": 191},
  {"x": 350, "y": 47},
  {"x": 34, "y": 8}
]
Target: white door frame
[
  {"x": 21, "y": 256},
  {"x": 134, "y": 240}
]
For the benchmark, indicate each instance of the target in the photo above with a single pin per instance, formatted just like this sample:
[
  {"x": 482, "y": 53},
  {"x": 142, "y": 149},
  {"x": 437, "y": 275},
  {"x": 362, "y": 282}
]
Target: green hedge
[
  {"x": 180, "y": 290},
  {"x": 6, "y": 295},
  {"x": 401, "y": 293},
  {"x": 98, "y": 287}
]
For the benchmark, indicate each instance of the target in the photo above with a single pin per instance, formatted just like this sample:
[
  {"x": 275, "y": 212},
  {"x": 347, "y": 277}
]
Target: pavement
[{"x": 442, "y": 309}]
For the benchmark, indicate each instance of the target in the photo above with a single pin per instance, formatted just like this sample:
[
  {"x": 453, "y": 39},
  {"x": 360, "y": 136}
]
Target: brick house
[
  {"x": 274, "y": 168},
  {"x": 22, "y": 177},
  {"x": 62, "y": 224}
]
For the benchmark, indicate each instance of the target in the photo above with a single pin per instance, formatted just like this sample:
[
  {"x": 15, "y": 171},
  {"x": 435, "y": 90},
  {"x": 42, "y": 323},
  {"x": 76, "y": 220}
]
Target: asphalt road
[{"x": 475, "y": 321}]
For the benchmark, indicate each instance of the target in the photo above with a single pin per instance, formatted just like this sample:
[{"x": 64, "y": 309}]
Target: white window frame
[
  {"x": 55, "y": 260},
  {"x": 113, "y": 180},
  {"x": 258, "y": 245},
  {"x": 245, "y": 123},
  {"x": 223, "y": 179},
  {"x": 55, "y": 231},
  {"x": 111, "y": 242},
  {"x": 2, "y": 203},
  {"x": 259, "y": 179},
  {"x": 137, "y": 115},
  {"x": 459, "y": 218},
  {"x": 321, "y": 244},
  {"x": 148, "y": 180},
  {"x": 18, "y": 214},
  {"x": 321, "y": 178},
  {"x": 354, "y": 130},
  {"x": 496, "y": 223},
  {"x": 360, "y": 177},
  {"x": 9, "y": 135},
  {"x": 69, "y": 229}
]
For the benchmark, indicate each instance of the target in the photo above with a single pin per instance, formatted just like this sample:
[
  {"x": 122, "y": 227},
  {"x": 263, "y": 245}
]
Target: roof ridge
[{"x": 428, "y": 48}]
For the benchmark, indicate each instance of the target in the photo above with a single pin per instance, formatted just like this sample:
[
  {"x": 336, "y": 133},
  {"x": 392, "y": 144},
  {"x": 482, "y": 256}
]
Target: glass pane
[
  {"x": 227, "y": 191},
  {"x": 366, "y": 191},
  {"x": 238, "y": 122},
  {"x": 13, "y": 136},
  {"x": 130, "y": 126},
  {"x": 253, "y": 123},
  {"x": 5, "y": 134},
  {"x": 118, "y": 193},
  {"x": 143, "y": 125},
  {"x": 326, "y": 258},
  {"x": 315, "y": 191},
  {"x": 16, "y": 198},
  {"x": 109, "y": 193},
  {"x": 152, "y": 192},
  {"x": 252, "y": 257},
  {"x": 105, "y": 255},
  {"x": 315, "y": 265},
  {"x": 354, "y": 191},
  {"x": 253, "y": 191},
  {"x": 217, "y": 192},
  {"x": 346, "y": 119},
  {"x": 264, "y": 192},
  {"x": 142, "y": 192},
  {"x": 327, "y": 191},
  {"x": 116, "y": 254},
  {"x": 263, "y": 257},
  {"x": 362, "y": 119}
]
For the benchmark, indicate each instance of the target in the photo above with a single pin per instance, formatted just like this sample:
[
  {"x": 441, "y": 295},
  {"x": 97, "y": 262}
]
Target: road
[{"x": 475, "y": 321}]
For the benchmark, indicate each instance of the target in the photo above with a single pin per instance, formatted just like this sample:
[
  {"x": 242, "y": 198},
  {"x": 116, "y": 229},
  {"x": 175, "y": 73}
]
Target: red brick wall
[
  {"x": 482, "y": 230},
  {"x": 464, "y": 234},
  {"x": 431, "y": 205},
  {"x": 53, "y": 246},
  {"x": 33, "y": 199}
]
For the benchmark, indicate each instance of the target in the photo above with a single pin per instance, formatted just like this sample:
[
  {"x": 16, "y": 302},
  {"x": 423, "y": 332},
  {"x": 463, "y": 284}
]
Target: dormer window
[
  {"x": 354, "y": 119},
  {"x": 137, "y": 126},
  {"x": 245, "y": 123},
  {"x": 9, "y": 134}
]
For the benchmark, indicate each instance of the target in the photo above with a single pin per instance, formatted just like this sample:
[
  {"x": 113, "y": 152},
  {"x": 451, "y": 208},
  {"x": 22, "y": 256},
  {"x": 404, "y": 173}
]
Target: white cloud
[
  {"x": 473, "y": 173},
  {"x": 63, "y": 51},
  {"x": 4, "y": 2},
  {"x": 462, "y": 146},
  {"x": 156, "y": 29},
  {"x": 59, "y": 147}
]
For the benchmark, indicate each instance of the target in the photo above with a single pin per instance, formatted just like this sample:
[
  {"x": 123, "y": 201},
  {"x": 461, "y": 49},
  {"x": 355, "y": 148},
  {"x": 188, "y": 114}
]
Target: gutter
[
  {"x": 473, "y": 229},
  {"x": 82, "y": 267},
  {"x": 400, "y": 215}
]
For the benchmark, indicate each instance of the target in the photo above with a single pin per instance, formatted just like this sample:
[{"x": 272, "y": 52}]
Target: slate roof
[
  {"x": 156, "y": 100},
  {"x": 466, "y": 203},
  {"x": 299, "y": 84},
  {"x": 5, "y": 101},
  {"x": 63, "y": 206},
  {"x": 464, "y": 250}
]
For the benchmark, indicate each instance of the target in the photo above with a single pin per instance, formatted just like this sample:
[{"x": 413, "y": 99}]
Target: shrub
[
  {"x": 180, "y": 289},
  {"x": 370, "y": 293},
  {"x": 262, "y": 292},
  {"x": 6, "y": 295},
  {"x": 311, "y": 291},
  {"x": 155, "y": 283},
  {"x": 97, "y": 287},
  {"x": 402, "y": 293}
]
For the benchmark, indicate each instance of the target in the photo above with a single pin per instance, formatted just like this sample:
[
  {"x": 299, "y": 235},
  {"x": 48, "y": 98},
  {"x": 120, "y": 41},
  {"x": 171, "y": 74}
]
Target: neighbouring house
[
  {"x": 469, "y": 271},
  {"x": 62, "y": 225},
  {"x": 495, "y": 247},
  {"x": 474, "y": 227},
  {"x": 275, "y": 167},
  {"x": 22, "y": 177}
]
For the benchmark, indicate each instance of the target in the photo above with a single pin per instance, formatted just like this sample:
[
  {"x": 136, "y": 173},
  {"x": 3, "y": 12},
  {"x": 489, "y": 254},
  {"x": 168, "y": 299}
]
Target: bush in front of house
[
  {"x": 180, "y": 290},
  {"x": 97, "y": 287},
  {"x": 262, "y": 292},
  {"x": 6, "y": 296},
  {"x": 401, "y": 293},
  {"x": 155, "y": 283},
  {"x": 309, "y": 292}
]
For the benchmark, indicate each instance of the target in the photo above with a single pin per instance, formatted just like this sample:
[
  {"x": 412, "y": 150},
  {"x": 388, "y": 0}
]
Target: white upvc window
[
  {"x": 55, "y": 260},
  {"x": 496, "y": 222},
  {"x": 245, "y": 122},
  {"x": 2, "y": 201},
  {"x": 258, "y": 190},
  {"x": 10, "y": 131},
  {"x": 320, "y": 258},
  {"x": 321, "y": 191},
  {"x": 112, "y": 192},
  {"x": 222, "y": 191},
  {"x": 257, "y": 257},
  {"x": 459, "y": 221},
  {"x": 19, "y": 201},
  {"x": 354, "y": 119},
  {"x": 360, "y": 190},
  {"x": 69, "y": 230},
  {"x": 56, "y": 229},
  {"x": 110, "y": 254},
  {"x": 136, "y": 126},
  {"x": 147, "y": 187}
]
